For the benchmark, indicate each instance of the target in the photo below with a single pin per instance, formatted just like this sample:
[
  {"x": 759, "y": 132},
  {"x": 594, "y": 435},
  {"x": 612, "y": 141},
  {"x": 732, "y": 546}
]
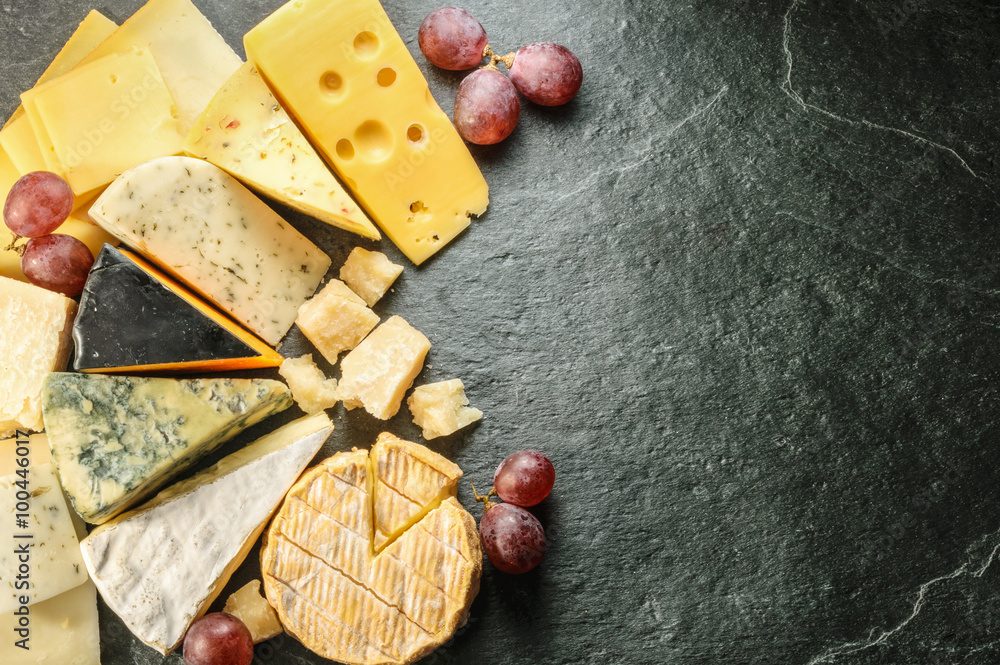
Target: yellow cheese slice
[
  {"x": 62, "y": 630},
  {"x": 344, "y": 601},
  {"x": 342, "y": 71},
  {"x": 106, "y": 117},
  {"x": 22, "y": 148},
  {"x": 246, "y": 132},
  {"x": 93, "y": 30},
  {"x": 192, "y": 57}
]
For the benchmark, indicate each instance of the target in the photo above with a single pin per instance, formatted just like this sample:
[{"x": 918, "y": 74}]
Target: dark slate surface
[{"x": 744, "y": 292}]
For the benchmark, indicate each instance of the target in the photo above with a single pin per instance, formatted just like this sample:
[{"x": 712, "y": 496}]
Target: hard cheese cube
[
  {"x": 36, "y": 329},
  {"x": 53, "y": 550},
  {"x": 342, "y": 71},
  {"x": 252, "y": 609},
  {"x": 441, "y": 408},
  {"x": 381, "y": 369},
  {"x": 103, "y": 118},
  {"x": 62, "y": 630},
  {"x": 335, "y": 320},
  {"x": 209, "y": 231},
  {"x": 311, "y": 390},
  {"x": 369, "y": 274}
]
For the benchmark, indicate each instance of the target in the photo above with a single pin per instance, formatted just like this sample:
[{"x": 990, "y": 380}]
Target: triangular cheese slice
[
  {"x": 116, "y": 440},
  {"x": 408, "y": 480},
  {"x": 246, "y": 132},
  {"x": 134, "y": 318},
  {"x": 160, "y": 566}
]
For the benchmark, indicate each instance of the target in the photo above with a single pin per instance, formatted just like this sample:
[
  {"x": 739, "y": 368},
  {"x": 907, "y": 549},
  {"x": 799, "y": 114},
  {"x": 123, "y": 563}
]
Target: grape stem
[
  {"x": 483, "y": 499},
  {"x": 13, "y": 246},
  {"x": 494, "y": 58}
]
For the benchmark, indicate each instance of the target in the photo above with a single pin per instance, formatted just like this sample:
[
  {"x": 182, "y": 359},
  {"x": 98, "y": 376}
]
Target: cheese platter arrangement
[{"x": 205, "y": 366}]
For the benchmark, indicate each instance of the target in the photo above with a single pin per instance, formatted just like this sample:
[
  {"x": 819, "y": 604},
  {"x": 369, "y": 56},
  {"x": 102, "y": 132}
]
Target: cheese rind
[
  {"x": 26, "y": 359},
  {"x": 344, "y": 601},
  {"x": 103, "y": 118},
  {"x": 340, "y": 68},
  {"x": 63, "y": 630},
  {"x": 335, "y": 320},
  {"x": 192, "y": 56},
  {"x": 133, "y": 318},
  {"x": 381, "y": 369},
  {"x": 116, "y": 439},
  {"x": 209, "y": 231},
  {"x": 441, "y": 408},
  {"x": 369, "y": 274},
  {"x": 160, "y": 566},
  {"x": 53, "y": 551},
  {"x": 408, "y": 481},
  {"x": 246, "y": 132}
]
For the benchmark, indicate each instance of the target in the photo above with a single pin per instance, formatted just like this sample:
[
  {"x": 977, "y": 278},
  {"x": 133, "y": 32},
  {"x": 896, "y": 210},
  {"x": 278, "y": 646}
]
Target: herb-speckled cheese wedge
[
  {"x": 116, "y": 440},
  {"x": 211, "y": 232}
]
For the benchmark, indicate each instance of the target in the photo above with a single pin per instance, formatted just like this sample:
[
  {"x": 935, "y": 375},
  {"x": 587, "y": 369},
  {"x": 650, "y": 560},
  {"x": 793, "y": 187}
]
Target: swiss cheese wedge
[{"x": 349, "y": 601}]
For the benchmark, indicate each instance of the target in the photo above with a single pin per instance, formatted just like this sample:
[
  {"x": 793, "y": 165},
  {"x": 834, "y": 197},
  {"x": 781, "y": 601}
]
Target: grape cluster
[
  {"x": 37, "y": 205},
  {"x": 487, "y": 106},
  {"x": 512, "y": 537}
]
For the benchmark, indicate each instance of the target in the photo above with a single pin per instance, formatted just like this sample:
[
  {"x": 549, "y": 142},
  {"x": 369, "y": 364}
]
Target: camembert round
[{"x": 371, "y": 560}]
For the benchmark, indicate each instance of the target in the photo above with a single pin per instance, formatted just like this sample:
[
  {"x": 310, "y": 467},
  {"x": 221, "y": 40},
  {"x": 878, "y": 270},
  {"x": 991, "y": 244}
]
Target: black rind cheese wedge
[{"x": 134, "y": 318}]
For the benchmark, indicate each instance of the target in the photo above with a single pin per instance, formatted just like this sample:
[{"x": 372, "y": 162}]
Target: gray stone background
[{"x": 744, "y": 292}]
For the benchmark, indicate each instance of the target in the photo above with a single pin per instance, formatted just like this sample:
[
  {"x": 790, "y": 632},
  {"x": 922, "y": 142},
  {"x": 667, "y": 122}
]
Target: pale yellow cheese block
[
  {"x": 93, "y": 30},
  {"x": 252, "y": 609},
  {"x": 246, "y": 132},
  {"x": 105, "y": 117},
  {"x": 191, "y": 55},
  {"x": 441, "y": 408},
  {"x": 369, "y": 274},
  {"x": 348, "y": 604},
  {"x": 25, "y": 360},
  {"x": 342, "y": 71},
  {"x": 335, "y": 320},
  {"x": 311, "y": 389},
  {"x": 380, "y": 369}
]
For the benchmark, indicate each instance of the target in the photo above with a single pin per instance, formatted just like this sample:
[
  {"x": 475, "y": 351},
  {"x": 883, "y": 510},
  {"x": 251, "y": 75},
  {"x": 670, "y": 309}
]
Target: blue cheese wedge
[
  {"x": 116, "y": 440},
  {"x": 160, "y": 566},
  {"x": 206, "y": 229},
  {"x": 46, "y": 542}
]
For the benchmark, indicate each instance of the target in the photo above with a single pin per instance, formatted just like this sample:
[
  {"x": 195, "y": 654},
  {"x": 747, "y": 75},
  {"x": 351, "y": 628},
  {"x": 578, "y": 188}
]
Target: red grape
[
  {"x": 486, "y": 107},
  {"x": 452, "y": 39},
  {"x": 546, "y": 73},
  {"x": 513, "y": 538},
  {"x": 58, "y": 263},
  {"x": 218, "y": 639},
  {"x": 37, "y": 204},
  {"x": 524, "y": 478}
]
